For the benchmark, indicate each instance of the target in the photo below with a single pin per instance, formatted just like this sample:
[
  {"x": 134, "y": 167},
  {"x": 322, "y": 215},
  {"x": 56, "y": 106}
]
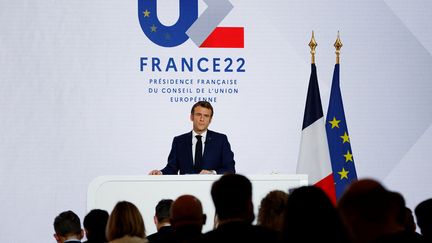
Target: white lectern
[{"x": 146, "y": 191}]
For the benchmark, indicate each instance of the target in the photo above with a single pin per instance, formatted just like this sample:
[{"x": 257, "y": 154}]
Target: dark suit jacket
[
  {"x": 182, "y": 234},
  {"x": 163, "y": 232},
  {"x": 217, "y": 155},
  {"x": 235, "y": 232}
]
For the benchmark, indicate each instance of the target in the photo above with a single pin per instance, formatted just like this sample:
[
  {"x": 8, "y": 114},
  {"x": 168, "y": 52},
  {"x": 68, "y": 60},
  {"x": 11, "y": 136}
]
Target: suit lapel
[
  {"x": 208, "y": 144},
  {"x": 189, "y": 145}
]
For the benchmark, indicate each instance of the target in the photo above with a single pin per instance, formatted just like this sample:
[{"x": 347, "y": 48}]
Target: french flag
[{"x": 314, "y": 157}]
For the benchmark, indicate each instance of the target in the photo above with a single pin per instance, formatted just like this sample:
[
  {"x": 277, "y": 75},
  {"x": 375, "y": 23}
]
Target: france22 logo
[{"x": 202, "y": 30}]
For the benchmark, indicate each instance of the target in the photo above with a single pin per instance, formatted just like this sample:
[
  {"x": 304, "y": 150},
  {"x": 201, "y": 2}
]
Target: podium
[{"x": 146, "y": 191}]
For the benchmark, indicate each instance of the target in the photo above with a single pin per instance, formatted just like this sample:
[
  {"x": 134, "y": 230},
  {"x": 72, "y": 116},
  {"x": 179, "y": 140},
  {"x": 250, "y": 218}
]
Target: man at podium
[{"x": 200, "y": 151}]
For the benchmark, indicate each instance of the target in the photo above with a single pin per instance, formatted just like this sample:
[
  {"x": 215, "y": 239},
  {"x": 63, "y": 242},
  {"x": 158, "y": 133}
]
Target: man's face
[{"x": 201, "y": 119}]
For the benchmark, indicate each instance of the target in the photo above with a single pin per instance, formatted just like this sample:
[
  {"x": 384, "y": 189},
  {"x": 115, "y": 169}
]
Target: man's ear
[
  {"x": 57, "y": 237},
  {"x": 191, "y": 117},
  {"x": 81, "y": 234},
  {"x": 155, "y": 220}
]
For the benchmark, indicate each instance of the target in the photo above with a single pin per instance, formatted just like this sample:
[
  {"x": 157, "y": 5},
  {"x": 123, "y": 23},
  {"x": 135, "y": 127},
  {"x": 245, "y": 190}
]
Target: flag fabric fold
[
  {"x": 314, "y": 158},
  {"x": 339, "y": 144}
]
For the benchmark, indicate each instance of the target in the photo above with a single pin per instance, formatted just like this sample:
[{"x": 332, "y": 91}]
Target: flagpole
[
  {"x": 337, "y": 133},
  {"x": 313, "y": 45},
  {"x": 338, "y": 45}
]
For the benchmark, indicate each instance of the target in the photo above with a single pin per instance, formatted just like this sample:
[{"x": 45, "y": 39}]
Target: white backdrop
[{"x": 74, "y": 104}]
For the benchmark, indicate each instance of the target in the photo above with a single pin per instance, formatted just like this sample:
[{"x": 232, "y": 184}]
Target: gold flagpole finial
[
  {"x": 313, "y": 45},
  {"x": 338, "y": 45}
]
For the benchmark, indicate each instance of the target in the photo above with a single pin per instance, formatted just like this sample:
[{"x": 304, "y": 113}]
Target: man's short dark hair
[
  {"x": 67, "y": 223},
  {"x": 95, "y": 223},
  {"x": 231, "y": 195},
  {"x": 163, "y": 210},
  {"x": 204, "y": 104},
  {"x": 423, "y": 212}
]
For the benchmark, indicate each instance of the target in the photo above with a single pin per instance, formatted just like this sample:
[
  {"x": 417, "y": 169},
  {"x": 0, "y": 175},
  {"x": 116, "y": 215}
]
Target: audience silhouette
[
  {"x": 310, "y": 216},
  {"x": 423, "y": 213},
  {"x": 125, "y": 224},
  {"x": 366, "y": 213},
  {"x": 67, "y": 227},
  {"x": 232, "y": 198},
  {"x": 271, "y": 210},
  {"x": 374, "y": 214},
  {"x": 94, "y": 225},
  {"x": 187, "y": 219},
  {"x": 396, "y": 230},
  {"x": 162, "y": 220}
]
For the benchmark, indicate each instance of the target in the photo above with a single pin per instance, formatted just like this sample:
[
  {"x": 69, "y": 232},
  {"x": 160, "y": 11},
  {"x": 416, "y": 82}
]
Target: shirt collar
[{"x": 204, "y": 135}]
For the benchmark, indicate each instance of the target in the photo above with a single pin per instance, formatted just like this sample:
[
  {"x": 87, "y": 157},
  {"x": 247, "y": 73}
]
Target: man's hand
[
  {"x": 208, "y": 172},
  {"x": 155, "y": 172}
]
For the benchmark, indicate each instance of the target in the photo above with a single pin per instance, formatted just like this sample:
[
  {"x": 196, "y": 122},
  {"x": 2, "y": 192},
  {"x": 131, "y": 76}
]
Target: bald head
[
  {"x": 365, "y": 186},
  {"x": 362, "y": 195},
  {"x": 187, "y": 211},
  {"x": 369, "y": 210}
]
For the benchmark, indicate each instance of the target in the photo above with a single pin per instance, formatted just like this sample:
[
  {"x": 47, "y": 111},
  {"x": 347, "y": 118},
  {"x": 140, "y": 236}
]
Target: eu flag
[{"x": 339, "y": 143}]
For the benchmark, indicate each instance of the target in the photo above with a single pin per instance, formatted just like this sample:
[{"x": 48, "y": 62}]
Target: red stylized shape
[{"x": 225, "y": 37}]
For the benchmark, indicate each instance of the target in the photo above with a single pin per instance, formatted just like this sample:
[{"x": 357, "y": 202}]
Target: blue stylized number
[{"x": 167, "y": 36}]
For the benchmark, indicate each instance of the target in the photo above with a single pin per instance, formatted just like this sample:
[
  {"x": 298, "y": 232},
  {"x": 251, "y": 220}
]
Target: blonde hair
[{"x": 125, "y": 219}]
